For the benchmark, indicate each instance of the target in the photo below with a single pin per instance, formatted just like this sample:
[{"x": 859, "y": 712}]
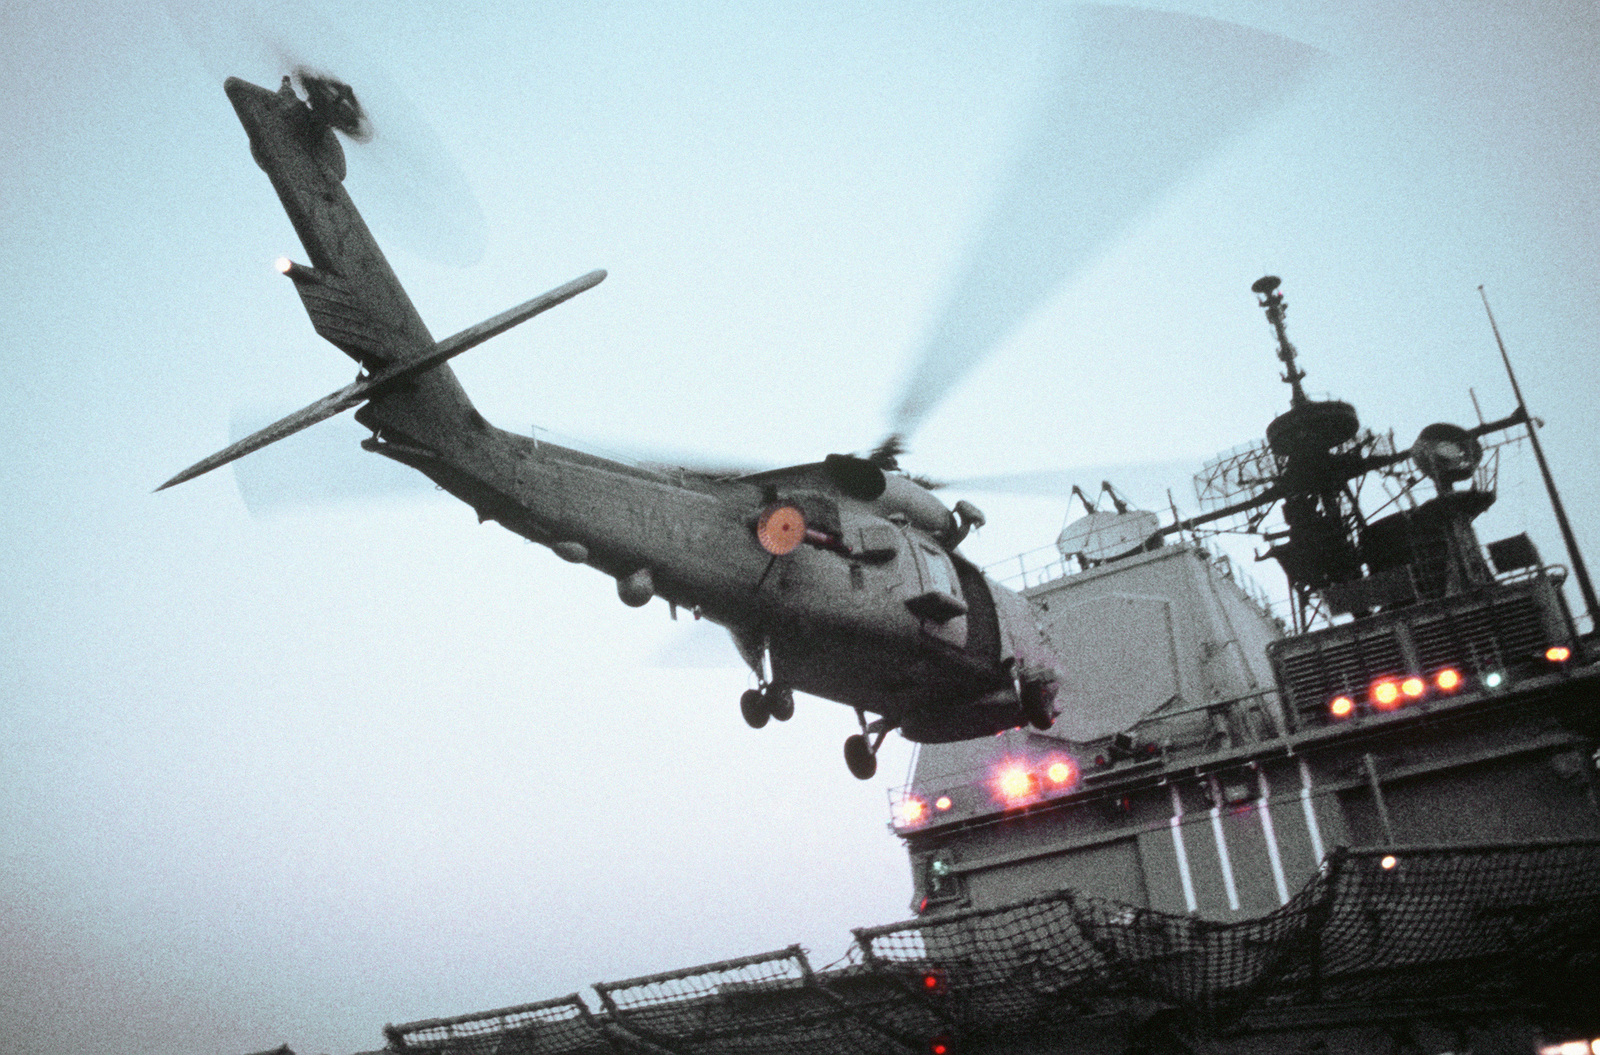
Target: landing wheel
[
  {"x": 753, "y": 705},
  {"x": 859, "y": 756},
  {"x": 1037, "y": 705},
  {"x": 780, "y": 703}
]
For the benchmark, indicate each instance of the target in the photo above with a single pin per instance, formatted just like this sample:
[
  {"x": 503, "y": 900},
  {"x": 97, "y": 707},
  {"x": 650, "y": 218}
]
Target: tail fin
[
  {"x": 351, "y": 294},
  {"x": 353, "y": 297}
]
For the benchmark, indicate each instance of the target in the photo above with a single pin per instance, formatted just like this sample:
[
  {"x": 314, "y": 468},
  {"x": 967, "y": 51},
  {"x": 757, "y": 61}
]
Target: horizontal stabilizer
[{"x": 365, "y": 388}]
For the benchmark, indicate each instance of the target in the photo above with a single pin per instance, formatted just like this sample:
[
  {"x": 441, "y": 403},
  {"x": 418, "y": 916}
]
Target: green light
[{"x": 1493, "y": 679}]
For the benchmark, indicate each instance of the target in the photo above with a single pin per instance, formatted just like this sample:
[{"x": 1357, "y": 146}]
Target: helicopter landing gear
[
  {"x": 861, "y": 754},
  {"x": 780, "y": 702},
  {"x": 769, "y": 701},
  {"x": 753, "y": 705}
]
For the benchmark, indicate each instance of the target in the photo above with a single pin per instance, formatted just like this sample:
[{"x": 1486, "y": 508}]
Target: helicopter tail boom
[{"x": 349, "y": 291}]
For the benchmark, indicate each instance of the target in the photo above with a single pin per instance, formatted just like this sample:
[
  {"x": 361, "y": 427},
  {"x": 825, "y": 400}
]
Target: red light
[
  {"x": 911, "y": 810},
  {"x": 932, "y": 982},
  {"x": 1013, "y": 783},
  {"x": 1342, "y": 707},
  {"x": 1558, "y": 653},
  {"x": 1062, "y": 773},
  {"x": 1448, "y": 680},
  {"x": 1386, "y": 695},
  {"x": 1414, "y": 687},
  {"x": 942, "y": 803},
  {"x": 940, "y": 1045}
]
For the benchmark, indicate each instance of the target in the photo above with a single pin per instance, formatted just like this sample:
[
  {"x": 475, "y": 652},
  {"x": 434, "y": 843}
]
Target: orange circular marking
[
  {"x": 1385, "y": 695},
  {"x": 1449, "y": 680},
  {"x": 1342, "y": 707},
  {"x": 781, "y": 529},
  {"x": 1413, "y": 687}
]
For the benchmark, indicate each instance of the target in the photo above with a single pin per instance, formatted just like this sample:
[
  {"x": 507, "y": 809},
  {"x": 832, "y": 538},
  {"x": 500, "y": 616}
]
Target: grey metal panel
[
  {"x": 1251, "y": 859},
  {"x": 1162, "y": 876},
  {"x": 1545, "y": 796},
  {"x": 1113, "y": 867}
]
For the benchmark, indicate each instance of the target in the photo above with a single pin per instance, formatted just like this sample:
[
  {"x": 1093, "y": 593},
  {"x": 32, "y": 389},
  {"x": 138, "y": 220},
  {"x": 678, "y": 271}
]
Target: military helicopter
[{"x": 839, "y": 578}]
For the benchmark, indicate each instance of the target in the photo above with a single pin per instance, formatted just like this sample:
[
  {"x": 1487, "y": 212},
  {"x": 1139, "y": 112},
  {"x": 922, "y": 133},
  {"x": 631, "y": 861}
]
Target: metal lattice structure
[{"x": 1507, "y": 925}]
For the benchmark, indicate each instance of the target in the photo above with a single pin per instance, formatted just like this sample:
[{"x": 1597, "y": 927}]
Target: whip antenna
[{"x": 1585, "y": 587}]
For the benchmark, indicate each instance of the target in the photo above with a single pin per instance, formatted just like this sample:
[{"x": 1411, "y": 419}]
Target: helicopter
[{"x": 839, "y": 578}]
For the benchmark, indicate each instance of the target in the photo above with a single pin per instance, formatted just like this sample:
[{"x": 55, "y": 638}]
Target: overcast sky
[{"x": 288, "y": 777}]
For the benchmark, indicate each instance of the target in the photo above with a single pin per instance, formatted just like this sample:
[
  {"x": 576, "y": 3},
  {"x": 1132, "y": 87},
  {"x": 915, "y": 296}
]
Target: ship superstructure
[
  {"x": 1423, "y": 689},
  {"x": 1366, "y": 821}
]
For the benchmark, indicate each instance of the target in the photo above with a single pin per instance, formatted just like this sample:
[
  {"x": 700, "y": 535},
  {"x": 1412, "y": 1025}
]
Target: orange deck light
[
  {"x": 1014, "y": 783},
  {"x": 1342, "y": 707},
  {"x": 1386, "y": 695},
  {"x": 1062, "y": 773},
  {"x": 911, "y": 810},
  {"x": 1448, "y": 680}
]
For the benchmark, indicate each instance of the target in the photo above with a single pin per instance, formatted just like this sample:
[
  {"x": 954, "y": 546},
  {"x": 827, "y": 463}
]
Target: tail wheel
[
  {"x": 780, "y": 703},
  {"x": 753, "y": 705},
  {"x": 859, "y": 756}
]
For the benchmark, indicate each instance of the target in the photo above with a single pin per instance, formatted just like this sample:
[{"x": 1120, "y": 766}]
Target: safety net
[{"x": 1514, "y": 924}]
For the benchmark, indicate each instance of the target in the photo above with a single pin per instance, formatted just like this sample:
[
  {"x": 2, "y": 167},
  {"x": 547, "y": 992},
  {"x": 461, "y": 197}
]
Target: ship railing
[
  {"x": 1043, "y": 768},
  {"x": 1046, "y": 564},
  {"x": 1032, "y": 568}
]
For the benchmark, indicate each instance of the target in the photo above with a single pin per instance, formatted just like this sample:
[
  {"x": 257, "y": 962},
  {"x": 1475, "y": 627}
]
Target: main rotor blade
[
  {"x": 1146, "y": 482},
  {"x": 1138, "y": 99}
]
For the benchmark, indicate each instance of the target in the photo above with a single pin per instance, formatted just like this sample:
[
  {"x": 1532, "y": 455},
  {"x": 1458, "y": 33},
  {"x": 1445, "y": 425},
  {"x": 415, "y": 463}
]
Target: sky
[{"x": 287, "y": 773}]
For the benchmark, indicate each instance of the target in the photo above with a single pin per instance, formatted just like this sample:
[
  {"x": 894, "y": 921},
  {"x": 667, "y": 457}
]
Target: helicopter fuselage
[
  {"x": 872, "y": 610},
  {"x": 837, "y": 578}
]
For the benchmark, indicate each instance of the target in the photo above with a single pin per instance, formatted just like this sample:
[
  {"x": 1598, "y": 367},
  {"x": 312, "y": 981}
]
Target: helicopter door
[{"x": 939, "y": 604}]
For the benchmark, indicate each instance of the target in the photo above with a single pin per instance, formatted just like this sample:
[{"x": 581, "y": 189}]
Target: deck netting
[
  {"x": 564, "y": 1024},
  {"x": 1517, "y": 925}
]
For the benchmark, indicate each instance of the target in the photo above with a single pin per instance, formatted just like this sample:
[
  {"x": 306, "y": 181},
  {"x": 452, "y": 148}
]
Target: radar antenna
[{"x": 1310, "y": 467}]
